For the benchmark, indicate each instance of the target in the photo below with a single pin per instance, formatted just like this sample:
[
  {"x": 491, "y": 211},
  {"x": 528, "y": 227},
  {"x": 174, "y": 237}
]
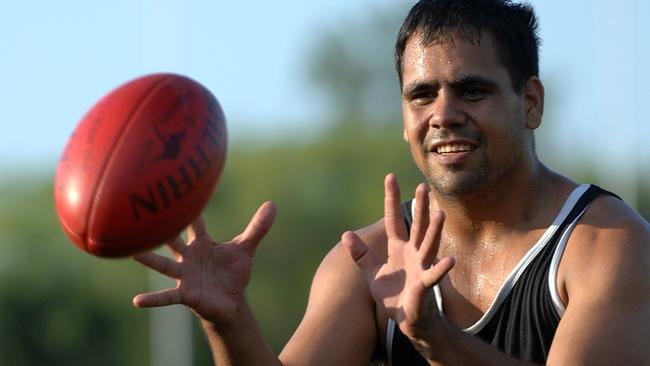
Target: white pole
[
  {"x": 170, "y": 327},
  {"x": 170, "y": 330}
]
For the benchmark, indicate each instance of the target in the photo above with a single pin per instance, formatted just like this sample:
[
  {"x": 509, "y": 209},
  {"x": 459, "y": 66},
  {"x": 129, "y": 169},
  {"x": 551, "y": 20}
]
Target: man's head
[
  {"x": 512, "y": 26},
  {"x": 469, "y": 102}
]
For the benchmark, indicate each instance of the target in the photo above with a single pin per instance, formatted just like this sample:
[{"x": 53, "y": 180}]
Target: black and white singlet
[{"x": 522, "y": 319}]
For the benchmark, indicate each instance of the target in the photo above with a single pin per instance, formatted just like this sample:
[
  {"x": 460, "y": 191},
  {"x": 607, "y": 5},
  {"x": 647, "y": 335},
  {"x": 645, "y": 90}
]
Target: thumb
[
  {"x": 257, "y": 228},
  {"x": 434, "y": 275},
  {"x": 361, "y": 255}
]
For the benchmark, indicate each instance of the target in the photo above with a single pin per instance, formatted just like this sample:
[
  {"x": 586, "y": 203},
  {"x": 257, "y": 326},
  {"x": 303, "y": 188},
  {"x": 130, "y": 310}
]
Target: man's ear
[
  {"x": 534, "y": 102},
  {"x": 406, "y": 136}
]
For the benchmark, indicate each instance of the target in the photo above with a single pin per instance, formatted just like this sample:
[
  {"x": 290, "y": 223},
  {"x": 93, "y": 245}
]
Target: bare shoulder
[
  {"x": 610, "y": 234},
  {"x": 339, "y": 325},
  {"x": 611, "y": 212},
  {"x": 606, "y": 288},
  {"x": 338, "y": 260},
  {"x": 375, "y": 238},
  {"x": 611, "y": 238}
]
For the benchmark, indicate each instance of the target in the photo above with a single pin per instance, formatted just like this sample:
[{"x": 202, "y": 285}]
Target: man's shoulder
[
  {"x": 604, "y": 283},
  {"x": 613, "y": 238},
  {"x": 610, "y": 216},
  {"x": 373, "y": 235}
]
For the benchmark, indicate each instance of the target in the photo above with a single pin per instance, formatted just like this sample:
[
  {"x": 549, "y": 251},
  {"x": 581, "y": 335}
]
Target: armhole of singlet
[
  {"x": 555, "y": 264},
  {"x": 557, "y": 258}
]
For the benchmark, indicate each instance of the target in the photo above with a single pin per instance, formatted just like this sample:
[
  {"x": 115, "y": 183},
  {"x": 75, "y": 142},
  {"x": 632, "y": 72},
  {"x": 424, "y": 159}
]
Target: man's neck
[{"x": 512, "y": 204}]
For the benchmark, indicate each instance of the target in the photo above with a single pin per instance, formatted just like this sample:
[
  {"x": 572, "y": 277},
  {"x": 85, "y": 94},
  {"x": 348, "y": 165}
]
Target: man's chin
[{"x": 458, "y": 184}]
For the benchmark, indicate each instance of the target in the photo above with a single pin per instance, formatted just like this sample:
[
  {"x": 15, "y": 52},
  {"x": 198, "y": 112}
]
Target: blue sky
[{"x": 60, "y": 57}]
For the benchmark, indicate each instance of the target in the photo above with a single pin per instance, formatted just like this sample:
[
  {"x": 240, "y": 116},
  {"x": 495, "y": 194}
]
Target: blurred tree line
[{"x": 60, "y": 306}]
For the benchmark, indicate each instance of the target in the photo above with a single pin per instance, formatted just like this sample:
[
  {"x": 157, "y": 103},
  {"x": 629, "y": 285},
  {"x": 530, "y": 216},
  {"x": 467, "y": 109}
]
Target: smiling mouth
[{"x": 453, "y": 148}]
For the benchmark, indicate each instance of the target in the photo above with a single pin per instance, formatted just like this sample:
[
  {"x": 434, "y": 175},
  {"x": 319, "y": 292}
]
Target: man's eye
[
  {"x": 422, "y": 98},
  {"x": 473, "y": 94}
]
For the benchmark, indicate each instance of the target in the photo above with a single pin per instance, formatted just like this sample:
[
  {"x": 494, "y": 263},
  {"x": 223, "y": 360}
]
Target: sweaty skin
[{"x": 488, "y": 200}]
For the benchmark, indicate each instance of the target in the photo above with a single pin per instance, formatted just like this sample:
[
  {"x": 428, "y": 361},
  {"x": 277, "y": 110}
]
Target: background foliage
[{"x": 60, "y": 306}]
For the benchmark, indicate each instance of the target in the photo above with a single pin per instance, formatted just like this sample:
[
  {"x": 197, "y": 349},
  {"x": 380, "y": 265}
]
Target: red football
[{"x": 141, "y": 165}]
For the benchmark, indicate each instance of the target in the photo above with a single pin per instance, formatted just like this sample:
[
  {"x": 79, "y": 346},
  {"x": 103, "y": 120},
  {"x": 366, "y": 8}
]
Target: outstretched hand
[
  {"x": 210, "y": 277},
  {"x": 403, "y": 284}
]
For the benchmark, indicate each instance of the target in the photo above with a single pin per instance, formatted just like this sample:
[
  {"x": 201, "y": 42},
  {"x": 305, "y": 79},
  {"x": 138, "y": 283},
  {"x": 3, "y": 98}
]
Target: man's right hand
[
  {"x": 402, "y": 285},
  {"x": 210, "y": 277}
]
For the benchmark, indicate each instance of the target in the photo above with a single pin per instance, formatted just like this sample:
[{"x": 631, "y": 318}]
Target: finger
[
  {"x": 431, "y": 242},
  {"x": 177, "y": 245},
  {"x": 435, "y": 274},
  {"x": 257, "y": 228},
  {"x": 393, "y": 219},
  {"x": 196, "y": 229},
  {"x": 159, "y": 298},
  {"x": 160, "y": 263},
  {"x": 421, "y": 215},
  {"x": 361, "y": 255}
]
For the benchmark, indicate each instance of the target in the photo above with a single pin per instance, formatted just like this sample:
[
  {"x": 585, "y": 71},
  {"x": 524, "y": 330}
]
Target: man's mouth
[{"x": 453, "y": 148}]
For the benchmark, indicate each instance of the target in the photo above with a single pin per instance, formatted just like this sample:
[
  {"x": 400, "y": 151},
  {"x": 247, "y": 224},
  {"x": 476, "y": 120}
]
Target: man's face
[{"x": 462, "y": 118}]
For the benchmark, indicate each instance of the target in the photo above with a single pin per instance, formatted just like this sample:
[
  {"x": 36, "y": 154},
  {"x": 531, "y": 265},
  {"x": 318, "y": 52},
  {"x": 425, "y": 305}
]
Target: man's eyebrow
[
  {"x": 473, "y": 80},
  {"x": 416, "y": 87}
]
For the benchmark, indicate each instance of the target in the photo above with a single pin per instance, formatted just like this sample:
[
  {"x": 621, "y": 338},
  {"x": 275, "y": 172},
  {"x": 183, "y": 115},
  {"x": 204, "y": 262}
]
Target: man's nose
[{"x": 447, "y": 110}]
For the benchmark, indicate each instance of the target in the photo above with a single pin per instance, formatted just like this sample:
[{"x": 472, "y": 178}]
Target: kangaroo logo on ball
[{"x": 171, "y": 145}]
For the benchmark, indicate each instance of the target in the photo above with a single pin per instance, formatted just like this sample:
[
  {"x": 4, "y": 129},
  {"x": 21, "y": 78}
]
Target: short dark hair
[{"x": 513, "y": 27}]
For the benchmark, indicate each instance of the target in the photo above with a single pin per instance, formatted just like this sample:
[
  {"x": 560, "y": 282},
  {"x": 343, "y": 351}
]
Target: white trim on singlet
[
  {"x": 390, "y": 334},
  {"x": 555, "y": 264},
  {"x": 516, "y": 272}
]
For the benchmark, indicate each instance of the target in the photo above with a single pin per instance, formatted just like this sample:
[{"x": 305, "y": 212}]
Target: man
[{"x": 529, "y": 266}]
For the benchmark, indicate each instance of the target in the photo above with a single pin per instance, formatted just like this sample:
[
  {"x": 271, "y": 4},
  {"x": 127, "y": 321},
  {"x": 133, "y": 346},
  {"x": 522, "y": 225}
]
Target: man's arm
[
  {"x": 238, "y": 342},
  {"x": 339, "y": 325},
  {"x": 604, "y": 279}
]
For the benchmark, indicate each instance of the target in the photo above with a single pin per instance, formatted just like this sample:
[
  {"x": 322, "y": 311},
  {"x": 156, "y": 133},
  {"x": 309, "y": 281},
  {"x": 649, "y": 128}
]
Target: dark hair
[{"x": 512, "y": 26}]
